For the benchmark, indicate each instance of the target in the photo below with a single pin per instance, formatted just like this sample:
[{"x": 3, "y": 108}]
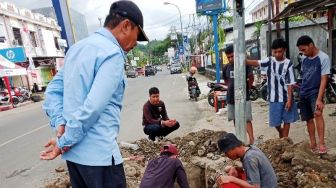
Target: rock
[
  {"x": 210, "y": 155},
  {"x": 59, "y": 169},
  {"x": 201, "y": 152},
  {"x": 287, "y": 156},
  {"x": 329, "y": 157},
  {"x": 130, "y": 171},
  {"x": 313, "y": 177},
  {"x": 215, "y": 157},
  {"x": 192, "y": 143}
]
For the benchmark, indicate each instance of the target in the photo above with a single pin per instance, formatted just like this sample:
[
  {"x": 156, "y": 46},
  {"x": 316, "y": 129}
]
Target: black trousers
[
  {"x": 82, "y": 176},
  {"x": 154, "y": 130}
]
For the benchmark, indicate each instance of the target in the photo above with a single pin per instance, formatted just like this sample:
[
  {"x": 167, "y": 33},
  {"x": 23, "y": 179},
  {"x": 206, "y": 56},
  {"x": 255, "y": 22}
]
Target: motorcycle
[
  {"x": 5, "y": 99},
  {"x": 194, "y": 91},
  {"x": 21, "y": 93},
  {"x": 259, "y": 90},
  {"x": 215, "y": 87},
  {"x": 331, "y": 88}
]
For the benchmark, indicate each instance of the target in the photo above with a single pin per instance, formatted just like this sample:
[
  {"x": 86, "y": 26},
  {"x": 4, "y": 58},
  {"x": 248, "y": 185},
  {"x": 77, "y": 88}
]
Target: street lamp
[{"x": 167, "y": 3}]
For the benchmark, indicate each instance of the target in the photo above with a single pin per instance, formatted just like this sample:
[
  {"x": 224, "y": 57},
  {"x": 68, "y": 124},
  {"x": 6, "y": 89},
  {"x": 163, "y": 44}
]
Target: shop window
[
  {"x": 17, "y": 36},
  {"x": 2, "y": 34},
  {"x": 56, "y": 43},
  {"x": 32, "y": 38}
]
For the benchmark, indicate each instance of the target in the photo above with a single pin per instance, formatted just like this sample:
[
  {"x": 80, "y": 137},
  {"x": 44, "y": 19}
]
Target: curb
[{"x": 7, "y": 107}]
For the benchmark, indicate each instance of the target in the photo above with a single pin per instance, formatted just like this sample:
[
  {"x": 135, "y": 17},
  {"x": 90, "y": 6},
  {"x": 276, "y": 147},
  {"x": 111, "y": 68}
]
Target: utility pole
[
  {"x": 195, "y": 34},
  {"x": 269, "y": 52},
  {"x": 239, "y": 69},
  {"x": 277, "y": 7}
]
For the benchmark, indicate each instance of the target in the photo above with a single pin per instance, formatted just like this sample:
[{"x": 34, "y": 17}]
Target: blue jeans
[
  {"x": 82, "y": 176},
  {"x": 154, "y": 130}
]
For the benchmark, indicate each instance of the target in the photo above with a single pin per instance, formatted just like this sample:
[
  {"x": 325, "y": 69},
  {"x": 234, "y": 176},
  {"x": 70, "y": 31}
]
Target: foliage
[{"x": 258, "y": 26}]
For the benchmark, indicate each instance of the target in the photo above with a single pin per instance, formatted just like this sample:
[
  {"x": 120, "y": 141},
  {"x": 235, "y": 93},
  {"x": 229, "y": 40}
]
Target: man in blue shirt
[
  {"x": 84, "y": 100},
  {"x": 315, "y": 70}
]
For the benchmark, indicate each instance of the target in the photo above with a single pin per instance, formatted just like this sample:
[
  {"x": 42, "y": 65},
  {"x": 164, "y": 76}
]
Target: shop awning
[
  {"x": 304, "y": 7},
  {"x": 8, "y": 68}
]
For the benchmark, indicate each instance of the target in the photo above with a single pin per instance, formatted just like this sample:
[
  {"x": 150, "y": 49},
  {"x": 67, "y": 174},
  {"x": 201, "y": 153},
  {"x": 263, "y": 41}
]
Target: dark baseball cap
[
  {"x": 130, "y": 10},
  {"x": 228, "y": 142}
]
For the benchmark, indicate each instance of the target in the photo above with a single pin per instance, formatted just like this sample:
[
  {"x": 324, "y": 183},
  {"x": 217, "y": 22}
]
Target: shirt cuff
[{"x": 59, "y": 121}]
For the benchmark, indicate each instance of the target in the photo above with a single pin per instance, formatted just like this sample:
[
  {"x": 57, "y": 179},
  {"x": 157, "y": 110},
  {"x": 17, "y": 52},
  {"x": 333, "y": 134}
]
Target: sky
[{"x": 158, "y": 18}]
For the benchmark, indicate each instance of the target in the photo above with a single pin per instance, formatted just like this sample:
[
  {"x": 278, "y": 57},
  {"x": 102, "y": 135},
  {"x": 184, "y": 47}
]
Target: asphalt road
[{"x": 24, "y": 130}]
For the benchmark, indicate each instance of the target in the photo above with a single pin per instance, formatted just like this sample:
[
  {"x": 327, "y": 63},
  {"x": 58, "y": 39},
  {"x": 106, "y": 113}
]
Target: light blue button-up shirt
[{"x": 86, "y": 95}]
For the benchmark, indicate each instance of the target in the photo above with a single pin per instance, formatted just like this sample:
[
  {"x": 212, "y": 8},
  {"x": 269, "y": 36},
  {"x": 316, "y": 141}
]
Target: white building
[{"x": 38, "y": 35}]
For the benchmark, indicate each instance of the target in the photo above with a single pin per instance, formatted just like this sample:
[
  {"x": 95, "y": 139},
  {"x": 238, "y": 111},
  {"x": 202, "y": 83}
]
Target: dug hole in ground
[{"x": 294, "y": 163}]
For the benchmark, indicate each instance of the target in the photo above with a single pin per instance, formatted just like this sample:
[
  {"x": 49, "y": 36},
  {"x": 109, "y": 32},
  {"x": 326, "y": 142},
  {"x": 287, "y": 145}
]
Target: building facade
[
  {"x": 260, "y": 12},
  {"x": 77, "y": 19},
  {"x": 40, "y": 38}
]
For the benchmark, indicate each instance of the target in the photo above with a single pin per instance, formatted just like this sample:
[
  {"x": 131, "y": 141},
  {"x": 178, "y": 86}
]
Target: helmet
[
  {"x": 171, "y": 148},
  {"x": 193, "y": 70}
]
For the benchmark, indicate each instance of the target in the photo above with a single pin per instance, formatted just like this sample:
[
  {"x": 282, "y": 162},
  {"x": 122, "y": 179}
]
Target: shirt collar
[{"x": 106, "y": 33}]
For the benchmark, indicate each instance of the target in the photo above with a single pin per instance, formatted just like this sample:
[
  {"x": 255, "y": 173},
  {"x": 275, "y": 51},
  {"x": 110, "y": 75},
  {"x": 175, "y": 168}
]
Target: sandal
[
  {"x": 323, "y": 149},
  {"x": 315, "y": 150}
]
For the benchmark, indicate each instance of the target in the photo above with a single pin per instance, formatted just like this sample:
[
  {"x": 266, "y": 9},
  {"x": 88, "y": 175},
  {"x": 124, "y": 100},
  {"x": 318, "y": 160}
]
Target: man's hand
[
  {"x": 51, "y": 151},
  {"x": 60, "y": 130},
  {"x": 231, "y": 171},
  {"x": 319, "y": 106},
  {"x": 288, "y": 105},
  {"x": 223, "y": 179},
  {"x": 169, "y": 123}
]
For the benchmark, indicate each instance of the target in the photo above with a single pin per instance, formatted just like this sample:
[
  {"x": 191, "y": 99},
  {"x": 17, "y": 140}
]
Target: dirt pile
[
  {"x": 294, "y": 164},
  {"x": 297, "y": 166}
]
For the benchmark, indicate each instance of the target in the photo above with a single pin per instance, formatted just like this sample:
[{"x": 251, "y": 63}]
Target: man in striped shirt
[{"x": 280, "y": 78}]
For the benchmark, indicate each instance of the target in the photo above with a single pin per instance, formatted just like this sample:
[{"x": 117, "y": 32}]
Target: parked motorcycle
[
  {"x": 259, "y": 90},
  {"x": 331, "y": 88},
  {"x": 21, "y": 93},
  {"x": 193, "y": 88},
  {"x": 215, "y": 87},
  {"x": 5, "y": 99}
]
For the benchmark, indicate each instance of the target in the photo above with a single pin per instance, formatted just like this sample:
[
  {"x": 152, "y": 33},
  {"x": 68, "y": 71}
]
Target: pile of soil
[
  {"x": 294, "y": 164},
  {"x": 297, "y": 166}
]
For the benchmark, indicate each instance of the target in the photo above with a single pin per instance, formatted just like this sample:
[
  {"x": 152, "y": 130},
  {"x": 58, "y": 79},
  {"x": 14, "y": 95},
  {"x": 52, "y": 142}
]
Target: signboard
[
  {"x": 181, "y": 50},
  {"x": 133, "y": 63},
  {"x": 171, "y": 52},
  {"x": 203, "y": 6},
  {"x": 185, "y": 39},
  {"x": 14, "y": 54}
]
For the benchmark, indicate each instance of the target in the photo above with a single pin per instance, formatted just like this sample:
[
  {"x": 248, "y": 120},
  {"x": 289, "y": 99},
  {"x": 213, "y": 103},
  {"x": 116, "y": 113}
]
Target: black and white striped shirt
[{"x": 280, "y": 74}]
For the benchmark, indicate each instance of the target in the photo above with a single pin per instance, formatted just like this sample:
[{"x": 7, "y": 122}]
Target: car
[
  {"x": 131, "y": 72},
  {"x": 175, "y": 68},
  {"x": 140, "y": 71},
  {"x": 149, "y": 70},
  {"x": 158, "y": 68}
]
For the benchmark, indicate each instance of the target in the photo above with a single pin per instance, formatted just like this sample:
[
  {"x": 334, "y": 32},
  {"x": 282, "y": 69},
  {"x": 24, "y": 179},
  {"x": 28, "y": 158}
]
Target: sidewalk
[{"x": 9, "y": 107}]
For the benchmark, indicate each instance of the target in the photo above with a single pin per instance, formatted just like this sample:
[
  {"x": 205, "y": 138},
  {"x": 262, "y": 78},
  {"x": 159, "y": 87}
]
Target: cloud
[{"x": 158, "y": 18}]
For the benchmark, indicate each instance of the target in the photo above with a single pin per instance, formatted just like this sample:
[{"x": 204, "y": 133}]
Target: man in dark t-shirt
[
  {"x": 162, "y": 171},
  {"x": 315, "y": 70},
  {"x": 155, "y": 119},
  {"x": 228, "y": 76}
]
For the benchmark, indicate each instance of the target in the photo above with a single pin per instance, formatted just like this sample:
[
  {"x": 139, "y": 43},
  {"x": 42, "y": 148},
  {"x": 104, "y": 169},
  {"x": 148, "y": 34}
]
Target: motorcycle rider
[{"x": 191, "y": 78}]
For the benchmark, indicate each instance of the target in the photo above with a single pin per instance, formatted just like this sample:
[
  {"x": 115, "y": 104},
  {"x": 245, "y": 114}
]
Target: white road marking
[{"x": 25, "y": 134}]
